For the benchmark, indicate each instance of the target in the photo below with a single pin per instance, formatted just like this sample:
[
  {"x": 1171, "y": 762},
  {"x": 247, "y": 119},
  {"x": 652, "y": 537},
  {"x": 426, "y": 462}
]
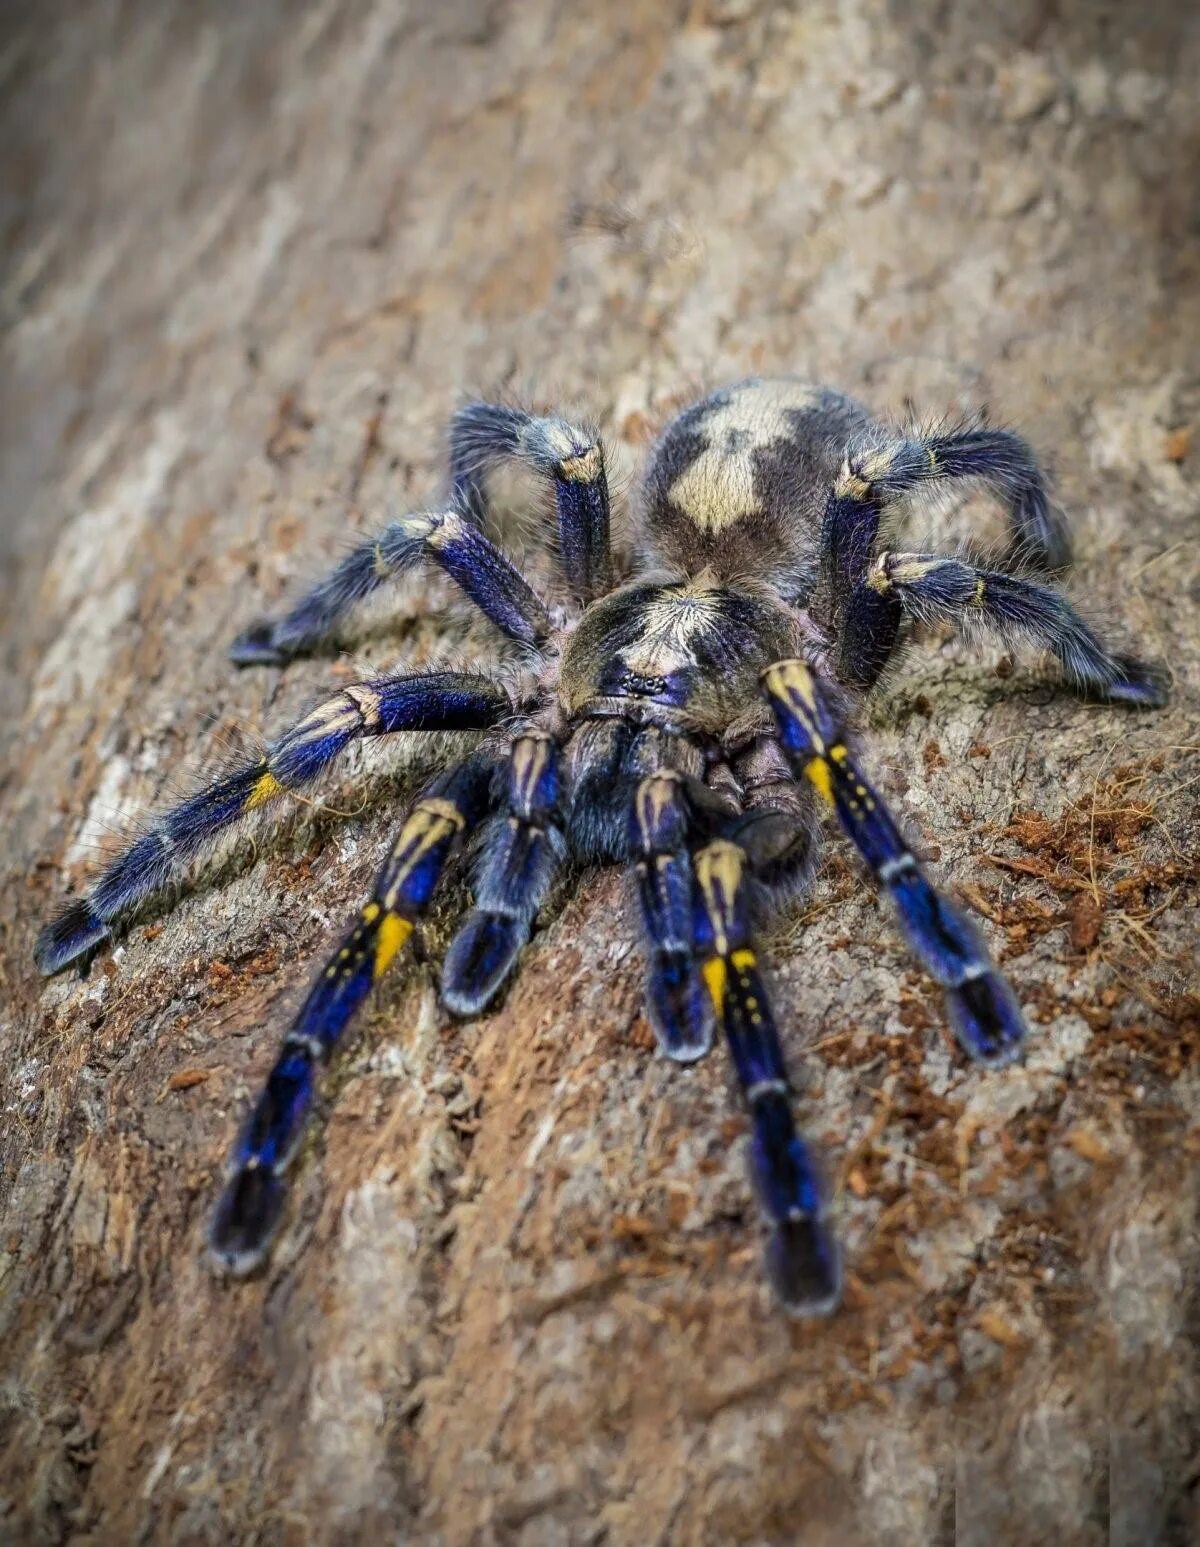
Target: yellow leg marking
[
  {"x": 912, "y": 571},
  {"x": 584, "y": 468},
  {"x": 980, "y": 592},
  {"x": 266, "y": 787},
  {"x": 792, "y": 683},
  {"x": 795, "y": 678},
  {"x": 742, "y": 961},
  {"x": 370, "y": 913},
  {"x": 393, "y": 932},
  {"x": 876, "y": 463},
  {"x": 445, "y": 810},
  {"x": 816, "y": 771},
  {"x": 851, "y": 486},
  {"x": 715, "y": 976},
  {"x": 879, "y": 579}
]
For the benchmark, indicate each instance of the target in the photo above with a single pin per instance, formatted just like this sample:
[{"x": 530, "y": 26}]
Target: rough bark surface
[{"x": 254, "y": 256}]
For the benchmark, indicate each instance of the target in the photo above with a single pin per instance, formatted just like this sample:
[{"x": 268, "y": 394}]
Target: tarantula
[{"x": 691, "y": 720}]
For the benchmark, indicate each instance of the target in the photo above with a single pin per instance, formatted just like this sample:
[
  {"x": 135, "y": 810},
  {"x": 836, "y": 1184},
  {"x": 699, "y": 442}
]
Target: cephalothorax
[{"x": 690, "y": 719}]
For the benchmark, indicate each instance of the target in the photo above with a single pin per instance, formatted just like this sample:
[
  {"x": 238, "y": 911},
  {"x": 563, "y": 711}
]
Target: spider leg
[
  {"x": 932, "y": 590},
  {"x": 522, "y": 854},
  {"x": 867, "y": 618},
  {"x": 803, "y": 1261},
  {"x": 251, "y": 1204},
  {"x": 570, "y": 457},
  {"x": 677, "y": 1001},
  {"x": 446, "y": 538},
  {"x": 437, "y": 701},
  {"x": 980, "y": 1004},
  {"x": 872, "y": 478}
]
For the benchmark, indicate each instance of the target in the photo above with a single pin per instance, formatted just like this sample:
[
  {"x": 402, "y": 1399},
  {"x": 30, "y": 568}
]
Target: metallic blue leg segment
[
  {"x": 569, "y": 457},
  {"x": 438, "y": 701},
  {"x": 864, "y": 623},
  {"x": 251, "y": 1205},
  {"x": 802, "y": 1258},
  {"x": 866, "y": 635},
  {"x": 677, "y": 1000},
  {"x": 980, "y": 1005},
  {"x": 522, "y": 854},
  {"x": 448, "y": 539},
  {"x": 931, "y": 589}
]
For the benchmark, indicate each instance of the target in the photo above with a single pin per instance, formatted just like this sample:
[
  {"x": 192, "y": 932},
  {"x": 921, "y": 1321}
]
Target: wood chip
[
  {"x": 994, "y": 1326},
  {"x": 1085, "y": 916},
  {"x": 184, "y": 1079}
]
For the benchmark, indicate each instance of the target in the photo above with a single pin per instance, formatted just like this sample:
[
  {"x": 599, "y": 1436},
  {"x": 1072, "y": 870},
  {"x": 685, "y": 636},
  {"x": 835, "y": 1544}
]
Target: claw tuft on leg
[
  {"x": 479, "y": 959},
  {"x": 986, "y": 1019},
  {"x": 680, "y": 1008},
  {"x": 246, "y": 1220},
  {"x": 75, "y": 933},
  {"x": 1142, "y": 684},
  {"x": 255, "y": 646},
  {"x": 804, "y": 1267}
]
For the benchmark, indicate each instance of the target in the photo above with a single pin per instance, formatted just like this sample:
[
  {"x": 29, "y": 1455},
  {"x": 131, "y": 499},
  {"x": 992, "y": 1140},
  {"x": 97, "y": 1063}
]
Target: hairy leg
[
  {"x": 931, "y": 589},
  {"x": 980, "y": 1004},
  {"x": 1001, "y": 460},
  {"x": 803, "y": 1262},
  {"x": 251, "y": 1205},
  {"x": 522, "y": 854},
  {"x": 662, "y": 824},
  {"x": 437, "y": 701},
  {"x": 445, "y": 538},
  {"x": 569, "y": 457},
  {"x": 864, "y": 617}
]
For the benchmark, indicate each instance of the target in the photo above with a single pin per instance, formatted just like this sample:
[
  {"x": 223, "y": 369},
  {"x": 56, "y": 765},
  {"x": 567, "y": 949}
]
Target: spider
[{"x": 690, "y": 719}]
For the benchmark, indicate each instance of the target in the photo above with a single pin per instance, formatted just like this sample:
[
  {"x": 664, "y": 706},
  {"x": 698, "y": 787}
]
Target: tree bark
[{"x": 255, "y": 256}]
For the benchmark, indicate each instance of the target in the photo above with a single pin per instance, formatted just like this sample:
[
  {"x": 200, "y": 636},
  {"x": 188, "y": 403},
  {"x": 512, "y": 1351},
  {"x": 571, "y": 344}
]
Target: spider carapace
[{"x": 690, "y": 718}]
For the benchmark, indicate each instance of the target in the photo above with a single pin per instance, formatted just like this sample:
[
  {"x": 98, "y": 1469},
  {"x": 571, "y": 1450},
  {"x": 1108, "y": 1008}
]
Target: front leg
[
  {"x": 251, "y": 1205},
  {"x": 979, "y": 1003},
  {"x": 522, "y": 853},
  {"x": 436, "y": 701},
  {"x": 803, "y": 1260}
]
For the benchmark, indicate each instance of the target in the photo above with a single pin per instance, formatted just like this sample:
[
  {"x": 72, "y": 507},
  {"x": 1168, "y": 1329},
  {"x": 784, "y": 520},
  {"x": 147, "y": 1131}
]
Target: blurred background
[{"x": 252, "y": 258}]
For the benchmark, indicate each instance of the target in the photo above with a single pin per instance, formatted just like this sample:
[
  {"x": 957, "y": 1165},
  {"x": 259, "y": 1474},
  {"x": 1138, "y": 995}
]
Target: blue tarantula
[{"x": 690, "y": 720}]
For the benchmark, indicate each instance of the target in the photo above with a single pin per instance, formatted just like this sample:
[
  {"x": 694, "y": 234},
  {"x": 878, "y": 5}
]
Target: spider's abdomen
[
  {"x": 696, "y": 646},
  {"x": 738, "y": 482}
]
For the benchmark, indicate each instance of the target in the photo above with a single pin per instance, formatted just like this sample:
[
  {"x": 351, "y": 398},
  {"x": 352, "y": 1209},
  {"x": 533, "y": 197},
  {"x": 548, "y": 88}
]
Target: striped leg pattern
[
  {"x": 438, "y": 701},
  {"x": 802, "y": 1258},
  {"x": 569, "y": 456},
  {"x": 251, "y": 1205},
  {"x": 446, "y": 538},
  {"x": 979, "y": 1003},
  {"x": 677, "y": 1000},
  {"x": 522, "y": 854},
  {"x": 931, "y": 589}
]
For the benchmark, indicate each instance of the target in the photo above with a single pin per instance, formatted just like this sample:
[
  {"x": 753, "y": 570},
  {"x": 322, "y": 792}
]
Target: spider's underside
[{"x": 690, "y": 720}]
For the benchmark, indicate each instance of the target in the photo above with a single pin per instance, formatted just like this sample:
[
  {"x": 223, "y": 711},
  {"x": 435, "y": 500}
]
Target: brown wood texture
[{"x": 254, "y": 256}]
